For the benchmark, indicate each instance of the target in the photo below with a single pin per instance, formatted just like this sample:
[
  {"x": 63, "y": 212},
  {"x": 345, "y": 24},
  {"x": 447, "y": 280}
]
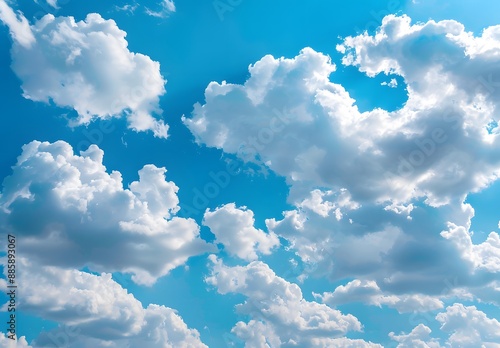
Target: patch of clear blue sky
[{"x": 194, "y": 47}]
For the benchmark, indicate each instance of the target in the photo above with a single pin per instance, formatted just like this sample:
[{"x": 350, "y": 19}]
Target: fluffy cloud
[
  {"x": 368, "y": 292},
  {"x": 233, "y": 227},
  {"x": 166, "y": 8},
  {"x": 419, "y": 337},
  {"x": 94, "y": 308},
  {"x": 86, "y": 66},
  {"x": 483, "y": 256},
  {"x": 469, "y": 327},
  {"x": 71, "y": 213},
  {"x": 280, "y": 316},
  {"x": 404, "y": 174},
  {"x": 423, "y": 150},
  {"x": 6, "y": 342},
  {"x": 393, "y": 156}
]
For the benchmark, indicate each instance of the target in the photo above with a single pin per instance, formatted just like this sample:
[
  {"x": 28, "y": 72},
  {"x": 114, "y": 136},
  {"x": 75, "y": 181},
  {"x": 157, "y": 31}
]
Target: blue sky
[{"x": 251, "y": 173}]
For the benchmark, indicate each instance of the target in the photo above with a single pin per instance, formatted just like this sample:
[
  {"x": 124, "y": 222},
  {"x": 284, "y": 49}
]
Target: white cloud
[
  {"x": 280, "y": 316},
  {"x": 6, "y": 342},
  {"x": 436, "y": 147},
  {"x": 18, "y": 25},
  {"x": 127, "y": 7},
  {"x": 234, "y": 228},
  {"x": 86, "y": 66},
  {"x": 94, "y": 308},
  {"x": 407, "y": 172},
  {"x": 469, "y": 327},
  {"x": 70, "y": 213},
  {"x": 393, "y": 83},
  {"x": 419, "y": 337},
  {"x": 368, "y": 292},
  {"x": 485, "y": 255},
  {"x": 53, "y": 3},
  {"x": 167, "y": 7}
]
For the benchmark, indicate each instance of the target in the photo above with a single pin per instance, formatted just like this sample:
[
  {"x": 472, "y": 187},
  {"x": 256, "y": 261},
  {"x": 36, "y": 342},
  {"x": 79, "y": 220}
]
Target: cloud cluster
[
  {"x": 280, "y": 316},
  {"x": 423, "y": 150},
  {"x": 71, "y": 212},
  {"x": 86, "y": 66},
  {"x": 93, "y": 310},
  {"x": 467, "y": 326},
  {"x": 378, "y": 195}
]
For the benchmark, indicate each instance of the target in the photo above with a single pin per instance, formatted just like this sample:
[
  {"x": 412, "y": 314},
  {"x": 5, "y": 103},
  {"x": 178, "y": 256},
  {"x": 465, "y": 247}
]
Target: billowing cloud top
[
  {"x": 378, "y": 195},
  {"x": 86, "y": 66},
  {"x": 290, "y": 116},
  {"x": 72, "y": 213}
]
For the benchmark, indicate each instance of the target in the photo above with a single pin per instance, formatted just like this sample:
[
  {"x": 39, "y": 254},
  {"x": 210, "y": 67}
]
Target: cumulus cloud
[
  {"x": 234, "y": 228},
  {"x": 423, "y": 150},
  {"x": 19, "y": 342},
  {"x": 368, "y": 292},
  {"x": 419, "y": 337},
  {"x": 404, "y": 173},
  {"x": 469, "y": 327},
  {"x": 71, "y": 212},
  {"x": 86, "y": 66},
  {"x": 280, "y": 316},
  {"x": 483, "y": 256},
  {"x": 95, "y": 309}
]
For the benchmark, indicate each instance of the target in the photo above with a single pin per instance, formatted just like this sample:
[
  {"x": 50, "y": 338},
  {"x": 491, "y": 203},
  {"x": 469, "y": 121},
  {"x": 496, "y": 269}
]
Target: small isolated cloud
[
  {"x": 86, "y": 66},
  {"x": 95, "y": 311},
  {"x": 71, "y": 212},
  {"x": 393, "y": 83},
  {"x": 234, "y": 228},
  {"x": 130, "y": 8},
  {"x": 280, "y": 316},
  {"x": 166, "y": 8}
]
